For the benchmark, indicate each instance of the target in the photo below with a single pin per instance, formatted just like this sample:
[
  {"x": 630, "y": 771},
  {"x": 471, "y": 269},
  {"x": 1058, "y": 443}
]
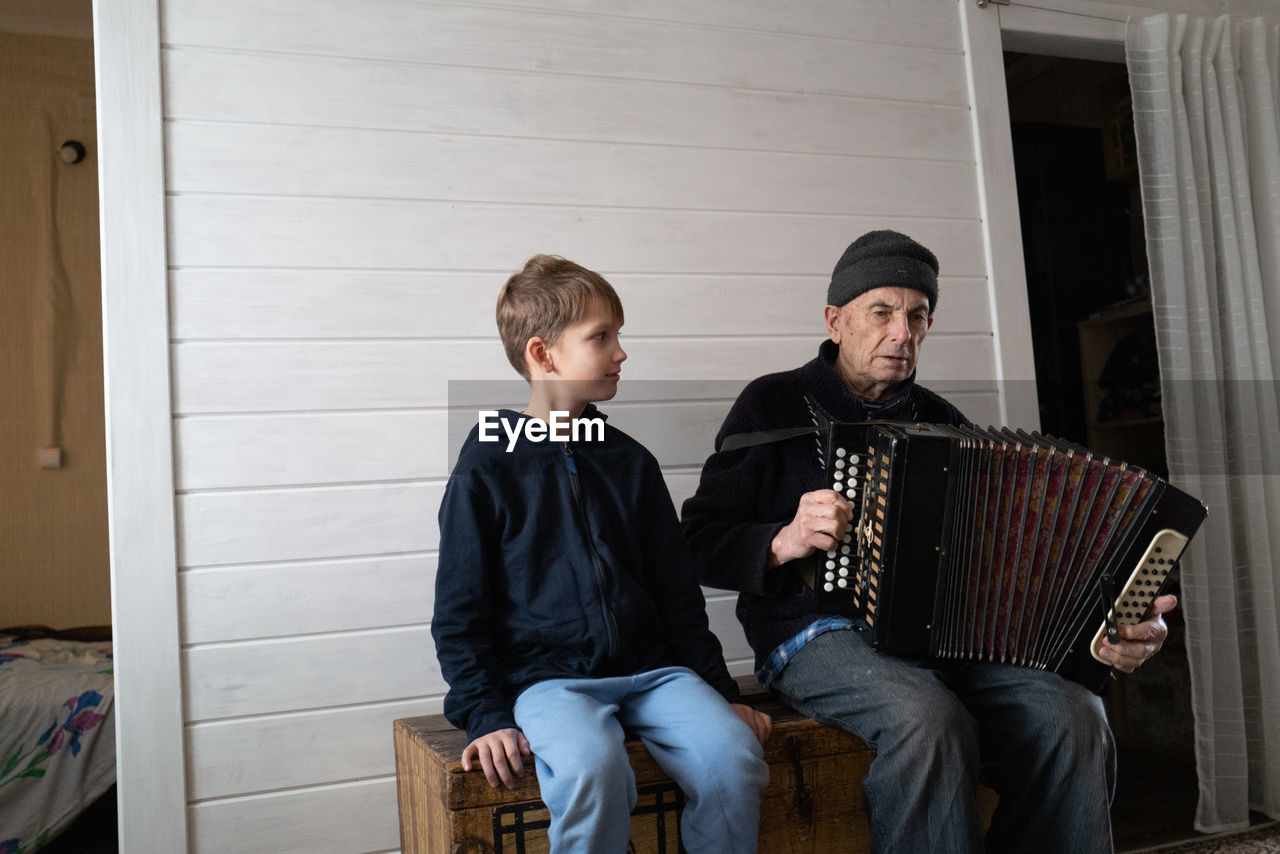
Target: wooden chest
[{"x": 813, "y": 802}]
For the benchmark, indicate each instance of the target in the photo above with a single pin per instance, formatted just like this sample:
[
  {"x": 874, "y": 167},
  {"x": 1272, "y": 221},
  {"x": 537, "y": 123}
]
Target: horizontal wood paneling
[
  {"x": 352, "y": 817},
  {"x": 278, "y": 450},
  {"x": 958, "y": 362},
  {"x": 293, "y": 376},
  {"x": 330, "y": 745},
  {"x": 348, "y": 187},
  {"x": 918, "y": 22},
  {"x": 288, "y": 376},
  {"x": 537, "y": 41},
  {"x": 238, "y": 527},
  {"x": 216, "y": 452},
  {"x": 334, "y": 304},
  {"x": 678, "y": 433},
  {"x": 724, "y": 622},
  {"x": 980, "y": 407},
  {"x": 330, "y": 92},
  {"x": 218, "y": 231},
  {"x": 259, "y": 677},
  {"x": 210, "y": 157},
  {"x": 337, "y": 304},
  {"x": 265, "y": 601},
  {"x": 271, "y": 600},
  {"x": 311, "y": 524},
  {"x": 298, "y": 524},
  {"x": 682, "y": 485},
  {"x": 231, "y": 757},
  {"x": 963, "y": 306}
]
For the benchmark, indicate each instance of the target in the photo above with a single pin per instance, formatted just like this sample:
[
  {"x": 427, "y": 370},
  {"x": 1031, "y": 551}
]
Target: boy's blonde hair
[{"x": 544, "y": 299}]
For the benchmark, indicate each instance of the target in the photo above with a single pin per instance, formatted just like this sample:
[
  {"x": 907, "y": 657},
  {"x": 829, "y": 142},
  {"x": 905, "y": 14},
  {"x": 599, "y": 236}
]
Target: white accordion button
[{"x": 828, "y": 587}]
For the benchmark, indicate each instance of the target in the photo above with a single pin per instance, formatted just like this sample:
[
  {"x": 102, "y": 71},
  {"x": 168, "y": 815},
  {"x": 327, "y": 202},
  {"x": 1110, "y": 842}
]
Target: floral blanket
[{"x": 57, "y": 741}]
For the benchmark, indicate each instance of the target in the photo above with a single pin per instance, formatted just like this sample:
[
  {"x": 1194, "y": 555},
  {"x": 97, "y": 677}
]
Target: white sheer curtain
[{"x": 1205, "y": 109}]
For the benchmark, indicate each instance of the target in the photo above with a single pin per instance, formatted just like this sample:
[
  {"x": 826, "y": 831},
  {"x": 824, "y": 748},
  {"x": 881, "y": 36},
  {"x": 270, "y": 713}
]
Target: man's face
[{"x": 879, "y": 334}]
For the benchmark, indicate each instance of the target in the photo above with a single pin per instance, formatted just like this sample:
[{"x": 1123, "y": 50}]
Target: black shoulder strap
[
  {"x": 764, "y": 437},
  {"x": 778, "y": 434}
]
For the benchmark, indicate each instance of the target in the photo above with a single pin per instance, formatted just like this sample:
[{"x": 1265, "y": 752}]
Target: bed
[{"x": 57, "y": 733}]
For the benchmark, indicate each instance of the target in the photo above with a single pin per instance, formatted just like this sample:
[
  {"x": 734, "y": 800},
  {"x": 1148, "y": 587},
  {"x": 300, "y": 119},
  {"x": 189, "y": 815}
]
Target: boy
[{"x": 567, "y": 606}]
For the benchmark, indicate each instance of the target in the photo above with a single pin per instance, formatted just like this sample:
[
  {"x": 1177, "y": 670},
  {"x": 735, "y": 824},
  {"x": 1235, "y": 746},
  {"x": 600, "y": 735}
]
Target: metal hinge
[{"x": 982, "y": 4}]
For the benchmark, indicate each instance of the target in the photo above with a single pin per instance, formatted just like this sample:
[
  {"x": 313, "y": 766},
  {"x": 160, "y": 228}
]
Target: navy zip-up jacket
[{"x": 561, "y": 560}]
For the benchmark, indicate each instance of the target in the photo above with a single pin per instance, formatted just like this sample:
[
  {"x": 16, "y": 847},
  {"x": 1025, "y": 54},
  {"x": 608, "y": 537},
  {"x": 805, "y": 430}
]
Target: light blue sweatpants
[{"x": 576, "y": 729}]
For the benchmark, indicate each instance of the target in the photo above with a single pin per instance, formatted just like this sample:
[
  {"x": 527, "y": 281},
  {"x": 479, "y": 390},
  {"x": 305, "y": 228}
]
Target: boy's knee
[
  {"x": 609, "y": 784},
  {"x": 728, "y": 739},
  {"x": 749, "y": 769},
  {"x": 739, "y": 752},
  {"x": 594, "y": 749}
]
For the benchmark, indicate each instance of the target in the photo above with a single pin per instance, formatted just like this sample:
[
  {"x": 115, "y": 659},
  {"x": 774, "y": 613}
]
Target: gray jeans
[{"x": 1041, "y": 742}]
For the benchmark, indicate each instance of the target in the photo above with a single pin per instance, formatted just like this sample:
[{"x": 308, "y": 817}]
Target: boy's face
[{"x": 588, "y": 356}]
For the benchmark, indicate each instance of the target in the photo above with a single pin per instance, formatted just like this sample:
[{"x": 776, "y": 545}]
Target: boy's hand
[
  {"x": 499, "y": 754},
  {"x": 760, "y": 723}
]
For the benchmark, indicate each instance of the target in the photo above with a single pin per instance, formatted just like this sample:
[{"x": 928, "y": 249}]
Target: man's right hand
[
  {"x": 500, "y": 755},
  {"x": 818, "y": 525}
]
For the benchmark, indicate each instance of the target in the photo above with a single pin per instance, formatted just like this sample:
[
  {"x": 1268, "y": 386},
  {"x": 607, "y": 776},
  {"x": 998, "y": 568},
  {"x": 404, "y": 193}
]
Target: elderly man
[{"x": 760, "y": 514}]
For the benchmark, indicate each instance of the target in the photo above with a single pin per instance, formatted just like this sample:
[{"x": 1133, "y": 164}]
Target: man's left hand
[{"x": 1139, "y": 642}]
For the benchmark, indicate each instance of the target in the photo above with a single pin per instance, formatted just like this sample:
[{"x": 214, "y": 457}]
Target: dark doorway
[{"x": 1096, "y": 371}]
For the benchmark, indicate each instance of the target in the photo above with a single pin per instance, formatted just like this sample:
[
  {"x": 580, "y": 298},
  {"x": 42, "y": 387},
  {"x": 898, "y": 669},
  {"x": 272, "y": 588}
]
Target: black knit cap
[{"x": 883, "y": 259}]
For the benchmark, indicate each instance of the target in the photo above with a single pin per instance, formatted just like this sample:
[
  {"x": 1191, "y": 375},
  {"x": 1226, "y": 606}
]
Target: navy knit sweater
[
  {"x": 561, "y": 560},
  {"x": 747, "y": 495}
]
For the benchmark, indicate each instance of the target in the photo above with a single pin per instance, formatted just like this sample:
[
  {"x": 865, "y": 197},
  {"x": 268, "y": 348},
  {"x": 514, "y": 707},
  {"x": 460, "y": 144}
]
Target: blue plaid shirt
[{"x": 786, "y": 650}]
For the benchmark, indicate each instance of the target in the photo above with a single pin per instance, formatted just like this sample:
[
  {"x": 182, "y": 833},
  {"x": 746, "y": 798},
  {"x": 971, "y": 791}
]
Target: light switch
[{"x": 50, "y": 458}]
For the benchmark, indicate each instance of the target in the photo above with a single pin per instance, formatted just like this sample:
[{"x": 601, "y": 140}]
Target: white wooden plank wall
[{"x": 350, "y": 183}]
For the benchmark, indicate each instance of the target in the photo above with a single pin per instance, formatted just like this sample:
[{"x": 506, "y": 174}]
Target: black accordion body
[{"x": 993, "y": 545}]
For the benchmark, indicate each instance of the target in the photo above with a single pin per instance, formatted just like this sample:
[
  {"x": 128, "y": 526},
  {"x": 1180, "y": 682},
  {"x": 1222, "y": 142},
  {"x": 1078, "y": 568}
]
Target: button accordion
[{"x": 992, "y": 545}]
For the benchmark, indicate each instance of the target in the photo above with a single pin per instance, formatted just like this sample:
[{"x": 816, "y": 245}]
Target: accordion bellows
[{"x": 995, "y": 545}]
